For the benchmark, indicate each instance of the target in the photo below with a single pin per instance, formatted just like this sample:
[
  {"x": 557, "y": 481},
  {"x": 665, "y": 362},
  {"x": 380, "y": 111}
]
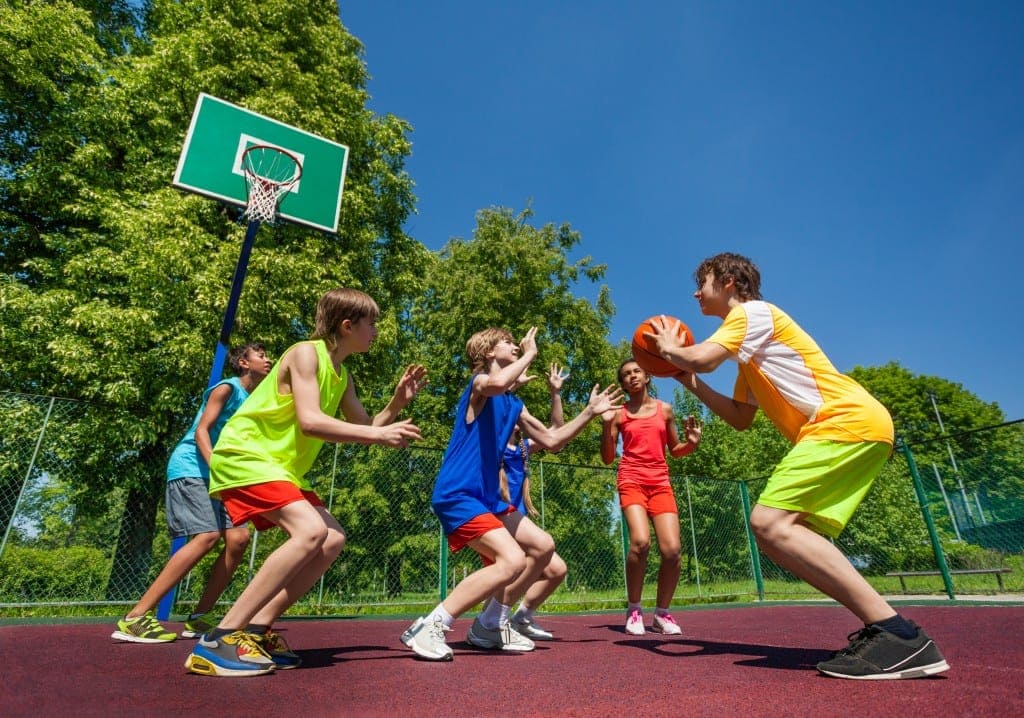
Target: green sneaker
[
  {"x": 143, "y": 629},
  {"x": 197, "y": 624}
]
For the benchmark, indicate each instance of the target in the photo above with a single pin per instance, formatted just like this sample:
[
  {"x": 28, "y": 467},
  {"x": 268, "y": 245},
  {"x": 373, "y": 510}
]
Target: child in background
[
  {"x": 647, "y": 427},
  {"x": 259, "y": 471},
  {"x": 466, "y": 495},
  {"x": 190, "y": 510}
]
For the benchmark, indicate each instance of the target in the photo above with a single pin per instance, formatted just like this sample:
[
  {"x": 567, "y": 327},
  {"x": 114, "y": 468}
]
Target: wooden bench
[{"x": 998, "y": 572}]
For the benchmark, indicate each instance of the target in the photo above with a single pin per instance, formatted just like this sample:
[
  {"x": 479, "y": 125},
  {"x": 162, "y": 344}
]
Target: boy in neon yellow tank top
[
  {"x": 842, "y": 437},
  {"x": 258, "y": 471}
]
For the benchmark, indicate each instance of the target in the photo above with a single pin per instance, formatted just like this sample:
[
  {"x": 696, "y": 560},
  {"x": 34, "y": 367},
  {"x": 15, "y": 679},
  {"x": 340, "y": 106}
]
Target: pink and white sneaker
[
  {"x": 664, "y": 623},
  {"x": 635, "y": 623}
]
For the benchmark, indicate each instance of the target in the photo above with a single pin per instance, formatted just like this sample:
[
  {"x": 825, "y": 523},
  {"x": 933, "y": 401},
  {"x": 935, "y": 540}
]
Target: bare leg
[
  {"x": 787, "y": 541},
  {"x": 666, "y": 528},
  {"x": 509, "y": 563},
  {"x": 307, "y": 577},
  {"x": 639, "y": 547},
  {"x": 539, "y": 548},
  {"x": 543, "y": 587},
  {"x": 235, "y": 542},
  {"x": 307, "y": 533},
  {"x": 183, "y": 561}
]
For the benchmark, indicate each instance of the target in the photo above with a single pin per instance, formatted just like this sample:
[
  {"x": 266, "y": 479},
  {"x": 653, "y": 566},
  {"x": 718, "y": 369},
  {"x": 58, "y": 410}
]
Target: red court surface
[{"x": 736, "y": 661}]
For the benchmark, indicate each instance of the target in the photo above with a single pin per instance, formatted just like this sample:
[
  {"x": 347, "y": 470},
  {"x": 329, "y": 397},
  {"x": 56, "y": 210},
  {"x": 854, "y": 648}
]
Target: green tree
[{"x": 114, "y": 283}]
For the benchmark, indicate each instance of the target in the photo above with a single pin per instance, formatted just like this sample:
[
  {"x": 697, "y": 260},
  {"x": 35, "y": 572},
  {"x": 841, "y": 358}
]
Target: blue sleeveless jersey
[
  {"x": 186, "y": 462},
  {"x": 467, "y": 484},
  {"x": 515, "y": 472}
]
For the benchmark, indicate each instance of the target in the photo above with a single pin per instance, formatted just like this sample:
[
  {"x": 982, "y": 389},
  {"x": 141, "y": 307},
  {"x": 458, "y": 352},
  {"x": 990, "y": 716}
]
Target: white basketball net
[{"x": 269, "y": 174}]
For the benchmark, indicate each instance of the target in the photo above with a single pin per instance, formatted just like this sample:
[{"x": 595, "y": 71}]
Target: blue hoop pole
[{"x": 163, "y": 610}]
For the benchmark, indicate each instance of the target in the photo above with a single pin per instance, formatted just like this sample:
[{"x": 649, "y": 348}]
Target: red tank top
[{"x": 643, "y": 449}]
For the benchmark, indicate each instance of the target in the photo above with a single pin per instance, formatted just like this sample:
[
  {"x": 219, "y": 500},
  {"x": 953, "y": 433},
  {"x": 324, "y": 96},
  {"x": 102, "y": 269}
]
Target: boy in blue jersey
[
  {"x": 190, "y": 510},
  {"x": 466, "y": 494}
]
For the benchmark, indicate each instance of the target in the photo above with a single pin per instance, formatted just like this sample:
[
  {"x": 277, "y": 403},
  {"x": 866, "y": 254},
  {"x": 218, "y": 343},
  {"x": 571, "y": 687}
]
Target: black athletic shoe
[{"x": 874, "y": 654}]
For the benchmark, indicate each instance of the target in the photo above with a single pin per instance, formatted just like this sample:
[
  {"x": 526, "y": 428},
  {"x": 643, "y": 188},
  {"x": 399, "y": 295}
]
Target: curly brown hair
[{"x": 744, "y": 273}]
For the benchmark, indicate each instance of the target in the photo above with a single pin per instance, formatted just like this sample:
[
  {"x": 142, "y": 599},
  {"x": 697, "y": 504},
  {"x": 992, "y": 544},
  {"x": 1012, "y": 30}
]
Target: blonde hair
[
  {"x": 481, "y": 343},
  {"x": 338, "y": 305},
  {"x": 506, "y": 496}
]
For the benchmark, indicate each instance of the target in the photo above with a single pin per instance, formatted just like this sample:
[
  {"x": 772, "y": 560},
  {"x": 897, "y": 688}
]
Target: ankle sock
[
  {"x": 258, "y": 628},
  {"x": 630, "y": 607},
  {"x": 215, "y": 633},
  {"x": 523, "y": 614},
  {"x": 494, "y": 615},
  {"x": 899, "y": 626},
  {"x": 441, "y": 612},
  {"x": 661, "y": 612}
]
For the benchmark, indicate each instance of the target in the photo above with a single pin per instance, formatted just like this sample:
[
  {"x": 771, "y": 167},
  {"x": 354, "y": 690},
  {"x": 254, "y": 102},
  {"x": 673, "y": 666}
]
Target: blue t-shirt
[
  {"x": 186, "y": 462},
  {"x": 515, "y": 473},
  {"x": 467, "y": 484}
]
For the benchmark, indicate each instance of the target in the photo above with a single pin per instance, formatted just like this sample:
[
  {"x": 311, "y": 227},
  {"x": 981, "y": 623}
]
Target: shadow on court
[{"x": 750, "y": 661}]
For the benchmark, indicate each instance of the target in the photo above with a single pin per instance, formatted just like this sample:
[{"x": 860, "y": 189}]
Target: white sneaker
[
  {"x": 635, "y": 623},
  {"x": 504, "y": 637},
  {"x": 664, "y": 623},
  {"x": 531, "y": 630},
  {"x": 426, "y": 639}
]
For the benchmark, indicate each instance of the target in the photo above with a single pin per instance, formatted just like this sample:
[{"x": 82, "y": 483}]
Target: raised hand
[
  {"x": 528, "y": 345},
  {"x": 556, "y": 377},
  {"x": 692, "y": 429},
  {"x": 413, "y": 379},
  {"x": 608, "y": 400},
  {"x": 399, "y": 434},
  {"x": 522, "y": 380}
]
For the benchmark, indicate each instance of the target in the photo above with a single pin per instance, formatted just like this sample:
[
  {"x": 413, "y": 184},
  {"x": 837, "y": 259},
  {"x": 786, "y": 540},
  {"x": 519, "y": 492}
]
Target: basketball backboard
[{"x": 211, "y": 161}]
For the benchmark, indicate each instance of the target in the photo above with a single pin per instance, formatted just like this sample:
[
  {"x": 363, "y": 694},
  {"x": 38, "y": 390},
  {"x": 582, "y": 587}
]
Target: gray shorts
[{"x": 190, "y": 509}]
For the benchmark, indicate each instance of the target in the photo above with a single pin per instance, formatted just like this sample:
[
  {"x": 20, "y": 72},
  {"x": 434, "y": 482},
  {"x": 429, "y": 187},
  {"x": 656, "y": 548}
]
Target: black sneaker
[{"x": 874, "y": 654}]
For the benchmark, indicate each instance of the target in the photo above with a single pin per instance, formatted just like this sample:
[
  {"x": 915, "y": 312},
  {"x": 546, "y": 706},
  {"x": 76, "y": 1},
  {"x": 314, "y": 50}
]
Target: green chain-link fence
[{"x": 948, "y": 508}]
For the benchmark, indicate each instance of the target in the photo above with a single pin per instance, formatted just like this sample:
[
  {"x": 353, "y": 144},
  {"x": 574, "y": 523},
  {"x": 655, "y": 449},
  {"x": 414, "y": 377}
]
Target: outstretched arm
[
  {"x": 414, "y": 379},
  {"x": 555, "y": 438},
  {"x": 298, "y": 374},
  {"x": 555, "y": 380},
  {"x": 737, "y": 414}
]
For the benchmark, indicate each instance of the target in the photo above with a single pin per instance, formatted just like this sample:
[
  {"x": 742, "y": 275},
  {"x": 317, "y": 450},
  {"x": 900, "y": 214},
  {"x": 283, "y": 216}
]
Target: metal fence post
[
  {"x": 940, "y": 557},
  {"x": 28, "y": 476},
  {"x": 693, "y": 534},
  {"x": 755, "y": 557},
  {"x": 442, "y": 574}
]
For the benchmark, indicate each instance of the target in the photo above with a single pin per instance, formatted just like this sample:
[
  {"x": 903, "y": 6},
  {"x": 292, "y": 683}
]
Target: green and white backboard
[{"x": 211, "y": 161}]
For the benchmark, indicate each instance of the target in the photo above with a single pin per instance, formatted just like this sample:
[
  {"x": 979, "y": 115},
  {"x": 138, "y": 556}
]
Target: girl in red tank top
[{"x": 648, "y": 429}]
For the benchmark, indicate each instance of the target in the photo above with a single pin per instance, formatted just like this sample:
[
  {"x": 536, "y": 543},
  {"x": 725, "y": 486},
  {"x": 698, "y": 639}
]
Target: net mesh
[{"x": 270, "y": 173}]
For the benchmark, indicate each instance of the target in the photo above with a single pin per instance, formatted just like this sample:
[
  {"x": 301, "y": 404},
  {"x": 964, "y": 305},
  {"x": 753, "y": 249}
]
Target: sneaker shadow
[{"x": 760, "y": 656}]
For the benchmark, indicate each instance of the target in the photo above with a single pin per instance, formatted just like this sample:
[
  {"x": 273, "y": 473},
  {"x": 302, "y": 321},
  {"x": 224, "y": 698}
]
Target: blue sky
[{"x": 868, "y": 156}]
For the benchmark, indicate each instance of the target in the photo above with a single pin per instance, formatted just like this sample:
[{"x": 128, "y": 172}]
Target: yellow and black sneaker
[{"x": 143, "y": 629}]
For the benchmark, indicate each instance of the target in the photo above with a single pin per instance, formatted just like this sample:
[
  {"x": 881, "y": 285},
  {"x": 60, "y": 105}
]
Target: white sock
[
  {"x": 634, "y": 607},
  {"x": 524, "y": 614},
  {"x": 441, "y": 612},
  {"x": 661, "y": 612},
  {"x": 494, "y": 615}
]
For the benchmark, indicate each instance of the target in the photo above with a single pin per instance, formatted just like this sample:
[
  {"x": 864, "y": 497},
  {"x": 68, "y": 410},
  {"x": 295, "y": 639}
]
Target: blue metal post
[{"x": 163, "y": 610}]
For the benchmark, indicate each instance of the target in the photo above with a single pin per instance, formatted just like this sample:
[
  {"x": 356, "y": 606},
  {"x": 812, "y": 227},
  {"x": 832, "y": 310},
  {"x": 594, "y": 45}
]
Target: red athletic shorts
[
  {"x": 472, "y": 529},
  {"x": 656, "y": 499},
  {"x": 249, "y": 503}
]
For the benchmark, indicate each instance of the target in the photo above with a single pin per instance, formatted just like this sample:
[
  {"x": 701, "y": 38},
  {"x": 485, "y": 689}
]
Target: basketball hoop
[{"x": 270, "y": 172}]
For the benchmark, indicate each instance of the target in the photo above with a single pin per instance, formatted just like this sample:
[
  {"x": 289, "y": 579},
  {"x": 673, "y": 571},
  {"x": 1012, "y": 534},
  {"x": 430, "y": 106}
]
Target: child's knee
[
  {"x": 557, "y": 569},
  {"x": 511, "y": 565},
  {"x": 641, "y": 547},
  {"x": 236, "y": 540},
  {"x": 206, "y": 540},
  {"x": 334, "y": 544}
]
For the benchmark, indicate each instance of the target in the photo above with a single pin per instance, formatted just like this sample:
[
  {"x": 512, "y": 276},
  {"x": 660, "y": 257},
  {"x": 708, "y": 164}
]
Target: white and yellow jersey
[{"x": 784, "y": 373}]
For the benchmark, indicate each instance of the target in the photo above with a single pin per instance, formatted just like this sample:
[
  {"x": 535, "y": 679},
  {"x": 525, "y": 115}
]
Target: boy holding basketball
[
  {"x": 192, "y": 513},
  {"x": 466, "y": 494},
  {"x": 842, "y": 437},
  {"x": 258, "y": 470}
]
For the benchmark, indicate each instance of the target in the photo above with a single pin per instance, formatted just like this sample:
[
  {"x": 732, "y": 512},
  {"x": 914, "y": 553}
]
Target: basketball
[{"x": 645, "y": 349}]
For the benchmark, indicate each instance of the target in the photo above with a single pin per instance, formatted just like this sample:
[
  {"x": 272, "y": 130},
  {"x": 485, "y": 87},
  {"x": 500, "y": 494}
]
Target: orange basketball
[{"x": 645, "y": 349}]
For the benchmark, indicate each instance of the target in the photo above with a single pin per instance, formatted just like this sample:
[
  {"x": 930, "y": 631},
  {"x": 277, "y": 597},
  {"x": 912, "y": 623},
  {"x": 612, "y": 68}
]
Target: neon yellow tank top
[{"x": 262, "y": 442}]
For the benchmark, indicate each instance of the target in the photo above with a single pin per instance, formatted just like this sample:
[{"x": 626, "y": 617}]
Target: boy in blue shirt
[{"x": 190, "y": 510}]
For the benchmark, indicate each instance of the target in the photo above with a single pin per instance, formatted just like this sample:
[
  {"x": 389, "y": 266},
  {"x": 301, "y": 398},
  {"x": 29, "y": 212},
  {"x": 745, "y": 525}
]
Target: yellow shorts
[{"x": 826, "y": 480}]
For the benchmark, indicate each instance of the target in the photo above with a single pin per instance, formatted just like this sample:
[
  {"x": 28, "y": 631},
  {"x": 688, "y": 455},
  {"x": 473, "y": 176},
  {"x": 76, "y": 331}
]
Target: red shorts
[
  {"x": 249, "y": 503},
  {"x": 657, "y": 499},
  {"x": 472, "y": 529}
]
